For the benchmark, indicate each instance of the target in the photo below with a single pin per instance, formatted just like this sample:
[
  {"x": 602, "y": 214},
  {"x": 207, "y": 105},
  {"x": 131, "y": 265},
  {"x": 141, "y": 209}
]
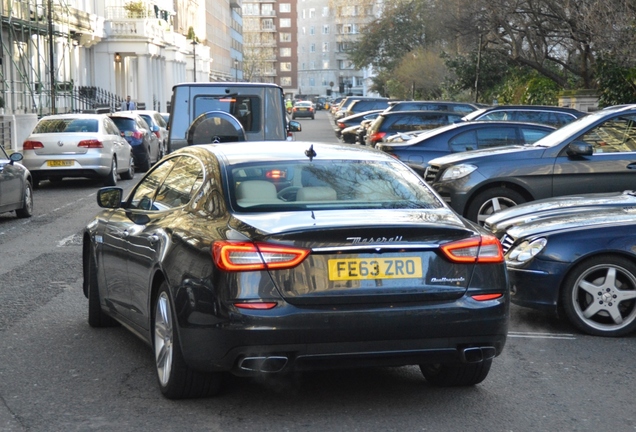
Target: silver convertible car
[{"x": 272, "y": 257}]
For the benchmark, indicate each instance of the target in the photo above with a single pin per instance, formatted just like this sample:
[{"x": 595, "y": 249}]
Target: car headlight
[
  {"x": 458, "y": 171},
  {"x": 525, "y": 251}
]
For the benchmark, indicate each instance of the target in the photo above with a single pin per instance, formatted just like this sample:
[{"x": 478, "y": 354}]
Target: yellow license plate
[
  {"x": 375, "y": 268},
  {"x": 60, "y": 163}
]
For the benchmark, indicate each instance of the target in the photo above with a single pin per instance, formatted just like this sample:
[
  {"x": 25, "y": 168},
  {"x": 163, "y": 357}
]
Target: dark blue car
[
  {"x": 464, "y": 136},
  {"x": 580, "y": 263}
]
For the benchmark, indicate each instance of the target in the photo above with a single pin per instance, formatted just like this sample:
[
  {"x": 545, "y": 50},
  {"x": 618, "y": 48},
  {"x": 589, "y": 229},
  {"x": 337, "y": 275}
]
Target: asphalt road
[{"x": 59, "y": 374}]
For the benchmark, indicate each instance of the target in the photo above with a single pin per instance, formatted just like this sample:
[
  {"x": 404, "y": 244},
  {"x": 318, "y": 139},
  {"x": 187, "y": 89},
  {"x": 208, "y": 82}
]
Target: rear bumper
[
  {"x": 290, "y": 338},
  {"x": 84, "y": 165}
]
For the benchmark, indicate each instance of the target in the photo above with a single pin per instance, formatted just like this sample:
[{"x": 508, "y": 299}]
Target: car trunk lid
[{"x": 367, "y": 263}]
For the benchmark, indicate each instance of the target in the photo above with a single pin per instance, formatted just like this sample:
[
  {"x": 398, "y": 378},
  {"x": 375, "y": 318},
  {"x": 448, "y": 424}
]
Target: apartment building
[
  {"x": 326, "y": 29},
  {"x": 270, "y": 42}
]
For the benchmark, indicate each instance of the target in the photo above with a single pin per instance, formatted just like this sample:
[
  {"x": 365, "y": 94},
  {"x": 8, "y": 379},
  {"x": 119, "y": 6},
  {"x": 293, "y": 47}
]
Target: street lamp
[
  {"x": 236, "y": 65},
  {"x": 194, "y": 57}
]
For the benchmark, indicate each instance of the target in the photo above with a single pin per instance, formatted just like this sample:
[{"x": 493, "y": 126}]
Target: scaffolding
[{"x": 38, "y": 39}]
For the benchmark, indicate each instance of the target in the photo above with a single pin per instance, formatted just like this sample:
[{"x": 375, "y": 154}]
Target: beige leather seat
[
  {"x": 316, "y": 193},
  {"x": 254, "y": 192}
]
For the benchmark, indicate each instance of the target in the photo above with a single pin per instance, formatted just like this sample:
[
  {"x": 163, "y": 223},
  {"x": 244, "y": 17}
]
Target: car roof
[
  {"x": 421, "y": 112},
  {"x": 75, "y": 116},
  {"x": 256, "y": 151},
  {"x": 532, "y": 108}
]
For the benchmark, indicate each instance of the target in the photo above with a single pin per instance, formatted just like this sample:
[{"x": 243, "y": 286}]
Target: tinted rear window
[
  {"x": 325, "y": 185},
  {"x": 246, "y": 109},
  {"x": 66, "y": 125},
  {"x": 124, "y": 124}
]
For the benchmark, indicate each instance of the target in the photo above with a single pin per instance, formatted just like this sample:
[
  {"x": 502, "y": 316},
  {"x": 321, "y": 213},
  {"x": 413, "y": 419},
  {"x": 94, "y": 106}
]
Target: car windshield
[
  {"x": 569, "y": 130},
  {"x": 65, "y": 125},
  {"x": 327, "y": 185}
]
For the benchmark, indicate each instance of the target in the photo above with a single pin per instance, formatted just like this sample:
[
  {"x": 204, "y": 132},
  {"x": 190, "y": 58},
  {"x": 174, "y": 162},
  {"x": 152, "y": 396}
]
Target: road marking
[{"x": 534, "y": 335}]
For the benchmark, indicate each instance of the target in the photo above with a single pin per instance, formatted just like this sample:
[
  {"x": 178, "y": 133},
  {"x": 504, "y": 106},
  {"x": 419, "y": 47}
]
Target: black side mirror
[
  {"x": 110, "y": 197},
  {"x": 579, "y": 148},
  {"x": 16, "y": 157},
  {"x": 294, "y": 126}
]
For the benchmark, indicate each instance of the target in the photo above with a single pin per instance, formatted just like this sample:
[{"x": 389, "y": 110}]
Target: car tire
[
  {"x": 456, "y": 375},
  {"x": 176, "y": 379},
  {"x": 96, "y": 316},
  {"x": 599, "y": 296},
  {"x": 27, "y": 206},
  {"x": 144, "y": 164},
  {"x": 130, "y": 172},
  {"x": 492, "y": 200},
  {"x": 111, "y": 178}
]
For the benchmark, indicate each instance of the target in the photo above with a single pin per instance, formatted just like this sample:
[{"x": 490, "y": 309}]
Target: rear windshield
[
  {"x": 246, "y": 109},
  {"x": 125, "y": 124},
  {"x": 327, "y": 185},
  {"x": 66, "y": 125}
]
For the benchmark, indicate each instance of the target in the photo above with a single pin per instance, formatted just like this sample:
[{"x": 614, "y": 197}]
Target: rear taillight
[
  {"x": 138, "y": 135},
  {"x": 93, "y": 143},
  {"x": 256, "y": 305},
  {"x": 483, "y": 249},
  {"x": 487, "y": 297},
  {"x": 341, "y": 125},
  {"x": 247, "y": 256},
  {"x": 32, "y": 145},
  {"x": 377, "y": 136},
  {"x": 157, "y": 134}
]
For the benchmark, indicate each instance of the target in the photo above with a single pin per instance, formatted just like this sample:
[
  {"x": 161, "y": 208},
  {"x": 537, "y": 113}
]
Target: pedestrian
[{"x": 128, "y": 105}]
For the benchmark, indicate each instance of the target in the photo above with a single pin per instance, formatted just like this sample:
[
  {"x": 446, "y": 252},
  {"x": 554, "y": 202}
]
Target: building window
[
  {"x": 285, "y": 81},
  {"x": 312, "y": 65},
  {"x": 267, "y": 24},
  {"x": 325, "y": 11},
  {"x": 285, "y": 22},
  {"x": 284, "y": 7},
  {"x": 285, "y": 37},
  {"x": 325, "y": 29},
  {"x": 285, "y": 67},
  {"x": 285, "y": 52},
  {"x": 312, "y": 82},
  {"x": 312, "y": 30},
  {"x": 267, "y": 10},
  {"x": 325, "y": 47},
  {"x": 312, "y": 13},
  {"x": 325, "y": 64},
  {"x": 312, "y": 47}
]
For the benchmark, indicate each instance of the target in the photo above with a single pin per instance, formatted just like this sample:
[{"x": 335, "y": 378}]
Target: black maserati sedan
[
  {"x": 273, "y": 257},
  {"x": 580, "y": 264}
]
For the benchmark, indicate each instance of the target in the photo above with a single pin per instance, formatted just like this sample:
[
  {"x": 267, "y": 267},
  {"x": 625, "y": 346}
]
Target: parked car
[
  {"x": 77, "y": 145},
  {"x": 166, "y": 118},
  {"x": 501, "y": 221},
  {"x": 363, "y": 105},
  {"x": 355, "y": 120},
  {"x": 389, "y": 123},
  {"x": 593, "y": 154},
  {"x": 459, "y": 107},
  {"x": 158, "y": 126},
  {"x": 550, "y": 115},
  {"x": 335, "y": 104},
  {"x": 581, "y": 265},
  {"x": 16, "y": 190},
  {"x": 303, "y": 109},
  {"x": 343, "y": 110},
  {"x": 272, "y": 257},
  {"x": 144, "y": 143},
  {"x": 464, "y": 136}
]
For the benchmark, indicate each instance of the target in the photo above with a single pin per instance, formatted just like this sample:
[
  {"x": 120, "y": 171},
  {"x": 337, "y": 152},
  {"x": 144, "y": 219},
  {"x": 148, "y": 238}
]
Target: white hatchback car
[{"x": 77, "y": 145}]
